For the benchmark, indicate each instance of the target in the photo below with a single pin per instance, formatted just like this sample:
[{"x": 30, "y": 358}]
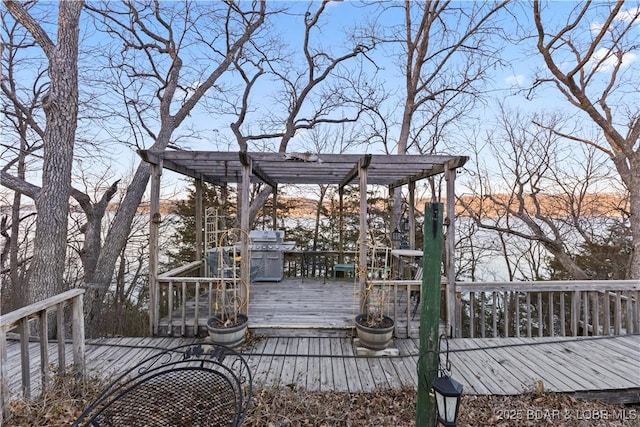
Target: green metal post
[{"x": 429, "y": 314}]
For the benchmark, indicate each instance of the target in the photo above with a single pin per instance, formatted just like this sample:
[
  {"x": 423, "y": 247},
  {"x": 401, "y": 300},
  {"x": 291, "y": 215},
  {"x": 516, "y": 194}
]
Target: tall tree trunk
[
  {"x": 61, "y": 112},
  {"x": 634, "y": 202}
]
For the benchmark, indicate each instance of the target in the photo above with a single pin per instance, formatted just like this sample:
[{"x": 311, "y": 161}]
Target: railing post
[
  {"x": 77, "y": 333},
  {"x": 4, "y": 375}
]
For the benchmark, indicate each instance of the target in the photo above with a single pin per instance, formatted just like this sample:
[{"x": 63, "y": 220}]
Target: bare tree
[
  {"x": 60, "y": 105},
  {"x": 162, "y": 80},
  {"x": 17, "y": 109},
  {"x": 540, "y": 194},
  {"x": 314, "y": 88},
  {"x": 589, "y": 59},
  {"x": 447, "y": 49}
]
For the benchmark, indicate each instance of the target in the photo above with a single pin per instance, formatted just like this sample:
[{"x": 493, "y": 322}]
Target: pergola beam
[
  {"x": 246, "y": 160},
  {"x": 363, "y": 163}
]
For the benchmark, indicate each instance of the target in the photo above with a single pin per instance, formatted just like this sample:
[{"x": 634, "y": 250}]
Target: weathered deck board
[{"x": 584, "y": 365}]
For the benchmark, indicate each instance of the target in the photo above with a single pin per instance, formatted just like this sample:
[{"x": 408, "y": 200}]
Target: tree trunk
[
  {"x": 634, "y": 218},
  {"x": 61, "y": 112},
  {"x": 115, "y": 240}
]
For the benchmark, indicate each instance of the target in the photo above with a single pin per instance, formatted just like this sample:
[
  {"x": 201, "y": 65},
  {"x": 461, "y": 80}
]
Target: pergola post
[
  {"x": 275, "y": 207},
  {"x": 453, "y": 323},
  {"x": 362, "y": 255},
  {"x": 245, "y": 262},
  {"x": 340, "y": 225},
  {"x": 154, "y": 230},
  {"x": 412, "y": 215},
  {"x": 199, "y": 228}
]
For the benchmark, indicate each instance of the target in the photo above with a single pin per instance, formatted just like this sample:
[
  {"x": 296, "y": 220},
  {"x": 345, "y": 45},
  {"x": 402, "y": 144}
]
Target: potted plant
[
  {"x": 373, "y": 326},
  {"x": 228, "y": 325}
]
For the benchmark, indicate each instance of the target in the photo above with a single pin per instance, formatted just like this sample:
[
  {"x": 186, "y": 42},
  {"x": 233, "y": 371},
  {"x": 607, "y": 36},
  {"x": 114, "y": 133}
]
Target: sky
[{"x": 206, "y": 130}]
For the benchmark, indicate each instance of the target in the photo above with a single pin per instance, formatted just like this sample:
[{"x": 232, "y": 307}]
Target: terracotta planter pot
[
  {"x": 375, "y": 338},
  {"x": 231, "y": 336}
]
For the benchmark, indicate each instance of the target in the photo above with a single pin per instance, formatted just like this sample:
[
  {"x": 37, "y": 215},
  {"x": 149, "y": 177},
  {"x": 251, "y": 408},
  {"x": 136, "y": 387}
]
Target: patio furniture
[
  {"x": 190, "y": 385},
  {"x": 344, "y": 268}
]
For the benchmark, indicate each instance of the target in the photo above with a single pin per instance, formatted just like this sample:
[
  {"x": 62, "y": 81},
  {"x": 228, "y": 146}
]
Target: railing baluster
[
  {"x": 472, "y": 314},
  {"x": 483, "y": 320},
  {"x": 595, "y": 314},
  {"x": 196, "y": 320},
  {"x": 210, "y": 299},
  {"x": 629, "y": 306},
  {"x": 517, "y": 325},
  {"x": 636, "y": 311},
  {"x": 24, "y": 357},
  {"x": 495, "y": 314},
  {"x": 170, "y": 309},
  {"x": 550, "y": 317},
  {"x": 606, "y": 313},
  {"x": 540, "y": 318},
  {"x": 183, "y": 303},
  {"x": 563, "y": 318},
  {"x": 575, "y": 312},
  {"x": 506, "y": 314},
  {"x": 528, "y": 314},
  {"x": 618, "y": 313},
  {"x": 60, "y": 336},
  {"x": 585, "y": 314},
  {"x": 44, "y": 349}
]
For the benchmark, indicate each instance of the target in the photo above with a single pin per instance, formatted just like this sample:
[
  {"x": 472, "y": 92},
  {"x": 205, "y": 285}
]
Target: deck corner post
[
  {"x": 154, "y": 231},
  {"x": 198, "y": 219},
  {"x": 429, "y": 314},
  {"x": 4, "y": 376},
  {"x": 245, "y": 263},
  {"x": 454, "y": 317},
  {"x": 77, "y": 333}
]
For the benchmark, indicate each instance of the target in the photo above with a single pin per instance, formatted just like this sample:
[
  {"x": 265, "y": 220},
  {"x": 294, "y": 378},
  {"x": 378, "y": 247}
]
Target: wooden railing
[
  {"x": 20, "y": 319},
  {"x": 183, "y": 291},
  {"x": 551, "y": 308}
]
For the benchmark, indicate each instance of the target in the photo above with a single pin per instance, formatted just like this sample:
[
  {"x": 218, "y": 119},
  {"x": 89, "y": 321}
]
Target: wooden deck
[
  {"x": 296, "y": 306},
  {"x": 606, "y": 368}
]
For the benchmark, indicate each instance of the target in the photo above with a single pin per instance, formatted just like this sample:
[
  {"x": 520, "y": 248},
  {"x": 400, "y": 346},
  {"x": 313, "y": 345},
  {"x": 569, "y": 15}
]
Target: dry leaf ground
[{"x": 289, "y": 406}]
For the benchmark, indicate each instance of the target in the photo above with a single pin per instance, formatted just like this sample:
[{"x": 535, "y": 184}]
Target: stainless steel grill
[{"x": 267, "y": 254}]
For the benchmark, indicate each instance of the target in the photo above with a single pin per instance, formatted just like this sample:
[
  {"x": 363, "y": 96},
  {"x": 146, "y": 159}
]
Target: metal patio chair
[{"x": 189, "y": 385}]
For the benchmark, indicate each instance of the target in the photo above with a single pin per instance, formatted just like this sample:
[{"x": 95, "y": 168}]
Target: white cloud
[
  {"x": 595, "y": 27},
  {"x": 629, "y": 15},
  {"x": 624, "y": 16},
  {"x": 610, "y": 60},
  {"x": 517, "y": 80}
]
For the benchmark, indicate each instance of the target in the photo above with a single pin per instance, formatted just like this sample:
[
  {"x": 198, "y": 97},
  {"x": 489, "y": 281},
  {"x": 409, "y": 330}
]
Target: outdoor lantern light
[
  {"x": 405, "y": 223},
  {"x": 448, "y": 392},
  {"x": 396, "y": 236}
]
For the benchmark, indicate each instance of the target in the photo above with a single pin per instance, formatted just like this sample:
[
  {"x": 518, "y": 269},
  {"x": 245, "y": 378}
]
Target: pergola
[{"x": 274, "y": 169}]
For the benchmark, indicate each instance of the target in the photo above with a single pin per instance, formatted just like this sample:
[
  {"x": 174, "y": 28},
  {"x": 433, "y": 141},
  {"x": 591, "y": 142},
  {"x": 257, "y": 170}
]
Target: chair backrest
[{"x": 194, "y": 385}]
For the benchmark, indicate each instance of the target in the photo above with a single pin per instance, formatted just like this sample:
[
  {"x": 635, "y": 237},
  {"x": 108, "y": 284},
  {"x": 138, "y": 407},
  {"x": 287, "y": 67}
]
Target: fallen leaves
[{"x": 289, "y": 405}]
